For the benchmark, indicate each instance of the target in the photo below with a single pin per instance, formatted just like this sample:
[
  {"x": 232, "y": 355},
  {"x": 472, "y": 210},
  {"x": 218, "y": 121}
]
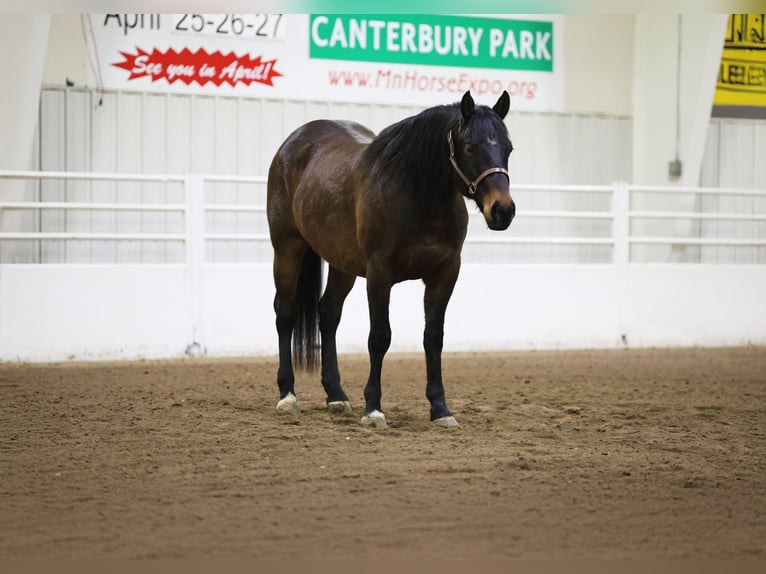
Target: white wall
[
  {"x": 598, "y": 63},
  {"x": 23, "y": 42},
  {"x": 663, "y": 83},
  {"x": 155, "y": 133},
  {"x": 67, "y": 56},
  {"x": 734, "y": 152},
  {"x": 52, "y": 313},
  {"x": 676, "y": 63}
]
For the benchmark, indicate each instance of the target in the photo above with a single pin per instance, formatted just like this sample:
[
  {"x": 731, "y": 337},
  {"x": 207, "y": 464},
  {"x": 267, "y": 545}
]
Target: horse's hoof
[
  {"x": 289, "y": 404},
  {"x": 375, "y": 418},
  {"x": 447, "y": 422},
  {"x": 339, "y": 407}
]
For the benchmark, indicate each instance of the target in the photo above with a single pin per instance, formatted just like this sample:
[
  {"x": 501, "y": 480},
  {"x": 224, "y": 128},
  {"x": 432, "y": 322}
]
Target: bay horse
[{"x": 388, "y": 208}]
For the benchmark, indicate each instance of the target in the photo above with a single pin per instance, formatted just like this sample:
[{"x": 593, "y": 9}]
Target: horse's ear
[
  {"x": 467, "y": 106},
  {"x": 503, "y": 104}
]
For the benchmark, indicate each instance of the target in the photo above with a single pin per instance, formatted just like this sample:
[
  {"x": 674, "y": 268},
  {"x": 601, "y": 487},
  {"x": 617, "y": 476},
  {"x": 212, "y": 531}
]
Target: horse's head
[{"x": 479, "y": 149}]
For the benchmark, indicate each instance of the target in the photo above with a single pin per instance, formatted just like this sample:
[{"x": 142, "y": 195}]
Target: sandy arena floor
[{"x": 641, "y": 454}]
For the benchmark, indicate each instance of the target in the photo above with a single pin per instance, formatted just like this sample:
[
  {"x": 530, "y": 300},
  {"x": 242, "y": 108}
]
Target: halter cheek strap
[{"x": 472, "y": 185}]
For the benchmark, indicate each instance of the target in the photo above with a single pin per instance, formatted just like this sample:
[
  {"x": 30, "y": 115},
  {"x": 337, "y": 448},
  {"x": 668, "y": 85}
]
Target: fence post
[
  {"x": 621, "y": 223},
  {"x": 195, "y": 258},
  {"x": 621, "y": 255}
]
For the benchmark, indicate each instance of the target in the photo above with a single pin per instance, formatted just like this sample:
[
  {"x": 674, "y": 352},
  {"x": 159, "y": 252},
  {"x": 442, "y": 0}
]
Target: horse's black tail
[{"x": 306, "y": 332}]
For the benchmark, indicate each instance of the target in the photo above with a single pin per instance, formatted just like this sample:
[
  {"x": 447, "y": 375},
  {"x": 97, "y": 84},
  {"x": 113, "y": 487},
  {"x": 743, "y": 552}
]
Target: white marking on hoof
[
  {"x": 447, "y": 422},
  {"x": 339, "y": 407},
  {"x": 289, "y": 404},
  {"x": 376, "y": 418}
]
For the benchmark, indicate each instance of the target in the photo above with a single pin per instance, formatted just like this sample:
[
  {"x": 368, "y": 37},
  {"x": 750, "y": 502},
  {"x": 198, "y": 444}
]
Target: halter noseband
[{"x": 472, "y": 185}]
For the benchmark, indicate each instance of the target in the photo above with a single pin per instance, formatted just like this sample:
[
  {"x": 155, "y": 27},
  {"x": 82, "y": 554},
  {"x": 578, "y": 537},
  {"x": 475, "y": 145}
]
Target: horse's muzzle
[{"x": 500, "y": 216}]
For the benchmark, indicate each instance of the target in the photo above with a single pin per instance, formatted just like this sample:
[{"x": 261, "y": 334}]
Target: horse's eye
[{"x": 468, "y": 150}]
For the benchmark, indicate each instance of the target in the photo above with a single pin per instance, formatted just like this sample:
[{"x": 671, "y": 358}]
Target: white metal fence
[
  {"x": 116, "y": 266},
  {"x": 198, "y": 218}
]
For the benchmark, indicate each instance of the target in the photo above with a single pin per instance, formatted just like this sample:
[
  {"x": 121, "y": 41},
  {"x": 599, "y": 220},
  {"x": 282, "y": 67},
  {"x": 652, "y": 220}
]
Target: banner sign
[
  {"x": 199, "y": 66},
  {"x": 741, "y": 87},
  {"x": 456, "y": 41},
  {"x": 412, "y": 59}
]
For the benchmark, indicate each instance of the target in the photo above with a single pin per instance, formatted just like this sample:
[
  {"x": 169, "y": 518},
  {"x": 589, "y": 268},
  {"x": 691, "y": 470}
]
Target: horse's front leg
[
  {"x": 438, "y": 291},
  {"x": 379, "y": 340}
]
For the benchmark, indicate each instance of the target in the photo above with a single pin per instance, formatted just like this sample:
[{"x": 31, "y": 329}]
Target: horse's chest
[{"x": 426, "y": 255}]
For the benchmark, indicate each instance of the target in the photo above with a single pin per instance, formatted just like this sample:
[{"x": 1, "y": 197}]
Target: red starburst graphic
[{"x": 199, "y": 66}]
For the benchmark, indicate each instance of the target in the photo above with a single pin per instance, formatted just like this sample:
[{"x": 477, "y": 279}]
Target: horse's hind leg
[
  {"x": 287, "y": 265},
  {"x": 339, "y": 285}
]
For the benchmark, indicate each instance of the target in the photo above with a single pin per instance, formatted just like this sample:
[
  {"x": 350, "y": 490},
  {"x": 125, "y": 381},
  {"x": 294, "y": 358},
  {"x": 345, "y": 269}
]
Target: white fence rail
[
  {"x": 649, "y": 266},
  {"x": 617, "y": 211}
]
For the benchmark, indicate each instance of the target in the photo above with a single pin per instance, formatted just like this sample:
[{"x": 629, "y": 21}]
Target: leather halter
[{"x": 472, "y": 185}]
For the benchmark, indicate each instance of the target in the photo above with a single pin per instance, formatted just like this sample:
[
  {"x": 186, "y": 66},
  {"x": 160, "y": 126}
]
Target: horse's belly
[{"x": 341, "y": 257}]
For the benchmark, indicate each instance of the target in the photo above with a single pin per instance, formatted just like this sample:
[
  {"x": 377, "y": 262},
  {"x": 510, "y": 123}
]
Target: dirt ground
[{"x": 619, "y": 454}]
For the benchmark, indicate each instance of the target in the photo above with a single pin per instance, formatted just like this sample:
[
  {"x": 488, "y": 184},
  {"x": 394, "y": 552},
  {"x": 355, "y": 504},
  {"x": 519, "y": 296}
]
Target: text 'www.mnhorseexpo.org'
[{"x": 414, "y": 81}]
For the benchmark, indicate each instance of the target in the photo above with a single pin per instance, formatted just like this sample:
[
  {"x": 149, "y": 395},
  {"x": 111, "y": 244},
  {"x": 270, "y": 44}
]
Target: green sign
[{"x": 431, "y": 40}]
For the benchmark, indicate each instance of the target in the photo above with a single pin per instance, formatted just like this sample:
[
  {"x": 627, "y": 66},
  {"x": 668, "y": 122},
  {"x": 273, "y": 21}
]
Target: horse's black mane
[{"x": 412, "y": 155}]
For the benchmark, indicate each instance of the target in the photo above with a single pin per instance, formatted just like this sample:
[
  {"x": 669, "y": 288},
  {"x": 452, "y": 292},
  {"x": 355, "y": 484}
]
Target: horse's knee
[
  {"x": 433, "y": 340},
  {"x": 380, "y": 339}
]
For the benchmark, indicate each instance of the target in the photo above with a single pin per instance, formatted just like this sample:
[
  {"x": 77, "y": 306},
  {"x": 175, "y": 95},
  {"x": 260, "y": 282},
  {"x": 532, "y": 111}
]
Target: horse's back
[
  {"x": 315, "y": 137},
  {"x": 312, "y": 142}
]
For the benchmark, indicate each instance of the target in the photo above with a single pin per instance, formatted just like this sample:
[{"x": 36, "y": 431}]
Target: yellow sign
[{"x": 741, "y": 87}]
